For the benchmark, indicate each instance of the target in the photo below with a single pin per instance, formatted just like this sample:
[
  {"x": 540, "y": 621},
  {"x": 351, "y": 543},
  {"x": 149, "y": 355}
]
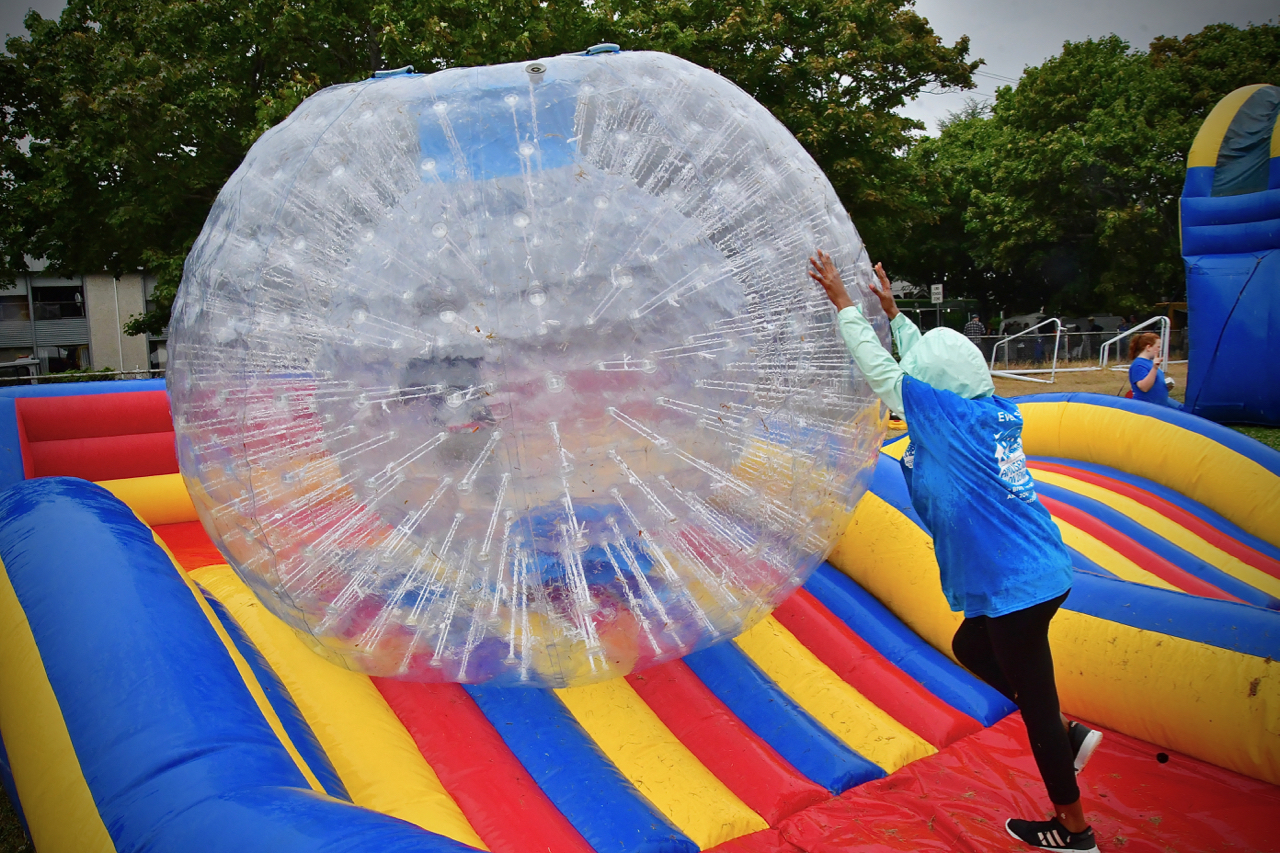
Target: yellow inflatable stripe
[
  {"x": 896, "y": 449},
  {"x": 658, "y": 764},
  {"x": 1204, "y": 150},
  {"x": 892, "y": 558},
  {"x": 162, "y": 499},
  {"x": 1217, "y": 705},
  {"x": 1173, "y": 532},
  {"x": 55, "y": 797},
  {"x": 246, "y": 674},
  {"x": 829, "y": 699},
  {"x": 1108, "y": 558},
  {"x": 372, "y": 753},
  {"x": 1226, "y": 482}
]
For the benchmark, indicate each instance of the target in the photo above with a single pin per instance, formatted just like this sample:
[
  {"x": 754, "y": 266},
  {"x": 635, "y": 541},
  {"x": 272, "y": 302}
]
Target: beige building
[{"x": 75, "y": 324}]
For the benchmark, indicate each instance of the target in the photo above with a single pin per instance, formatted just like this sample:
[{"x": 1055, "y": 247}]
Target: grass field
[{"x": 12, "y": 838}]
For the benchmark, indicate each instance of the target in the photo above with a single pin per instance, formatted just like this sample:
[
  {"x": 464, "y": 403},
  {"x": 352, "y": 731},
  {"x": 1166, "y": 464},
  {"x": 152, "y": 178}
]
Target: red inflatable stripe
[
  {"x": 747, "y": 766},
  {"x": 960, "y": 798},
  {"x": 113, "y": 457},
  {"x": 1141, "y": 556},
  {"x": 95, "y": 415},
  {"x": 504, "y": 805},
  {"x": 1173, "y": 512},
  {"x": 190, "y": 544},
  {"x": 867, "y": 671}
]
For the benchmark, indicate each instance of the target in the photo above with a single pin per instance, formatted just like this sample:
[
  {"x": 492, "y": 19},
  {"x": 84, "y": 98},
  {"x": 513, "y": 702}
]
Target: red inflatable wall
[{"x": 97, "y": 436}]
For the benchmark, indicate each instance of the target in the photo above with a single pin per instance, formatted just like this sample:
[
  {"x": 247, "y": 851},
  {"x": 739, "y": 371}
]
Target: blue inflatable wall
[{"x": 1231, "y": 247}]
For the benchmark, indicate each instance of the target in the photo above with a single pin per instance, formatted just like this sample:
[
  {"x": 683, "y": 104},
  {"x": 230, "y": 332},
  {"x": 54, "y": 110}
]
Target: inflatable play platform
[{"x": 148, "y": 701}]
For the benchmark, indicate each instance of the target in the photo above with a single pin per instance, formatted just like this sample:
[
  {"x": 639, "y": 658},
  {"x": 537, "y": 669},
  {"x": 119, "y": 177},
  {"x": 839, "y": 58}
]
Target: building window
[
  {"x": 14, "y": 308},
  {"x": 8, "y": 354},
  {"x": 17, "y": 365},
  {"x": 58, "y": 303},
  {"x": 61, "y": 359}
]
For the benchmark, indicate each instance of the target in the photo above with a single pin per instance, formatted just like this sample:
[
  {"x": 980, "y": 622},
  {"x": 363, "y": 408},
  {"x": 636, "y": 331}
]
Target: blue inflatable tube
[
  {"x": 890, "y": 486},
  {"x": 201, "y": 768},
  {"x": 778, "y": 720},
  {"x": 1205, "y": 211},
  {"x": 902, "y": 647},
  {"x": 580, "y": 781},
  {"x": 1225, "y": 624},
  {"x": 1081, "y": 563},
  {"x": 303, "y": 738},
  {"x": 76, "y": 389}
]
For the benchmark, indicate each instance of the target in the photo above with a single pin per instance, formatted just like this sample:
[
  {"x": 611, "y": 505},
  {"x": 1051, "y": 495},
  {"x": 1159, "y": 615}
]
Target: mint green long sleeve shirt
[{"x": 877, "y": 365}]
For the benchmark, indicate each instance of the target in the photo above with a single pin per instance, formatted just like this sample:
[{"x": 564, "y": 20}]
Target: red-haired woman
[{"x": 1145, "y": 376}]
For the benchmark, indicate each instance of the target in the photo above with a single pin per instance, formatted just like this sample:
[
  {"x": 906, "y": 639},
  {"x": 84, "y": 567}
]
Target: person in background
[
  {"x": 1145, "y": 376},
  {"x": 1094, "y": 337},
  {"x": 1000, "y": 556},
  {"x": 974, "y": 330}
]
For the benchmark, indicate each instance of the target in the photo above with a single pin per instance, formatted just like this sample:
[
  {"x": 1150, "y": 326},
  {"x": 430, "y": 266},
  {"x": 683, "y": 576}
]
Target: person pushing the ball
[{"x": 1000, "y": 556}]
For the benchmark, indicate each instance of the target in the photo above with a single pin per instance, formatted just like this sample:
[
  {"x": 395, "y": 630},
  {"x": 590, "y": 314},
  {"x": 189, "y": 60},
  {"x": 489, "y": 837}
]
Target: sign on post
[{"x": 935, "y": 293}]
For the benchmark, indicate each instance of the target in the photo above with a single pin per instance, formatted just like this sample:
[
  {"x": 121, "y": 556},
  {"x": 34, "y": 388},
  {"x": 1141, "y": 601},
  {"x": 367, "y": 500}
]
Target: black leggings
[{"x": 1011, "y": 653}]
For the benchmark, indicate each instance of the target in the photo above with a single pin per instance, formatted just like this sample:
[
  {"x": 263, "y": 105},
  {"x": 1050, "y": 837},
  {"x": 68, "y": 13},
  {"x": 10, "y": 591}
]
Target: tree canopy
[
  {"x": 1065, "y": 193},
  {"x": 123, "y": 118}
]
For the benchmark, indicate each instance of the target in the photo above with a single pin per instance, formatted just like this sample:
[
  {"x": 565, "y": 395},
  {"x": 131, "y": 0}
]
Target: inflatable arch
[
  {"x": 1230, "y": 218},
  {"x": 149, "y": 703}
]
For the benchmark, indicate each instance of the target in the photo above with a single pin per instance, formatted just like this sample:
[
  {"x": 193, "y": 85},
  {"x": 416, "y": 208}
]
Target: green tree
[
  {"x": 123, "y": 118},
  {"x": 938, "y": 249},
  {"x": 835, "y": 72},
  {"x": 1067, "y": 194}
]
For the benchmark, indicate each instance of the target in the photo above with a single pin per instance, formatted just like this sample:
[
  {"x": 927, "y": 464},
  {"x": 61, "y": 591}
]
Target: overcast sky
[
  {"x": 13, "y": 11},
  {"x": 1008, "y": 34},
  {"x": 1013, "y": 34}
]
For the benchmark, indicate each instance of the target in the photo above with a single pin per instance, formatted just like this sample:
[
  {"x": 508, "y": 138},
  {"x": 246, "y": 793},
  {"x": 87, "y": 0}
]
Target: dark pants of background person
[{"x": 1011, "y": 653}]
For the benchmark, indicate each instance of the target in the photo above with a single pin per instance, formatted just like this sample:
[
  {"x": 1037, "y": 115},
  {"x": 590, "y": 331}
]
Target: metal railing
[
  {"x": 88, "y": 376},
  {"x": 1163, "y": 322},
  {"x": 1022, "y": 374}
]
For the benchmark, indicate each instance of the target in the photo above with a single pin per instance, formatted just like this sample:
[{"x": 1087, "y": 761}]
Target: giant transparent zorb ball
[{"x": 516, "y": 373}]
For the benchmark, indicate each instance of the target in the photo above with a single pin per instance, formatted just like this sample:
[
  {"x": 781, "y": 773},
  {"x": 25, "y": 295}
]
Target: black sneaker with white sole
[
  {"x": 1051, "y": 835},
  {"x": 1084, "y": 741}
]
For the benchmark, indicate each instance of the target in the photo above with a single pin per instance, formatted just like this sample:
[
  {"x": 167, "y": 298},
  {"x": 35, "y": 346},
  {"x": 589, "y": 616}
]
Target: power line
[{"x": 996, "y": 76}]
